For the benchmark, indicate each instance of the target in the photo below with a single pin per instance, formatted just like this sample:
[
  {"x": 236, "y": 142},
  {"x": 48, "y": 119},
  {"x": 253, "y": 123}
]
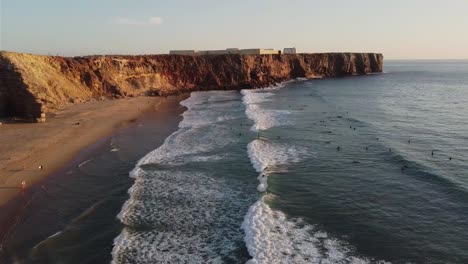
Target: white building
[
  {"x": 289, "y": 50},
  {"x": 259, "y": 51},
  {"x": 226, "y": 51}
]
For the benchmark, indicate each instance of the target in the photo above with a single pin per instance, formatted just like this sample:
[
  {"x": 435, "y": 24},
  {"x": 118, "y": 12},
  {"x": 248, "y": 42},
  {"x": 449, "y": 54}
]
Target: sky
[{"x": 400, "y": 29}]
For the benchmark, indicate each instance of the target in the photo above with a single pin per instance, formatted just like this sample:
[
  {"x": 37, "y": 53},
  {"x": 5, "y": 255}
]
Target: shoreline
[
  {"x": 26, "y": 146},
  {"x": 64, "y": 201},
  {"x": 34, "y": 85}
]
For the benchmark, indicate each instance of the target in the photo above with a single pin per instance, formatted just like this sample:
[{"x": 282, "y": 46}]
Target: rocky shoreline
[{"x": 34, "y": 85}]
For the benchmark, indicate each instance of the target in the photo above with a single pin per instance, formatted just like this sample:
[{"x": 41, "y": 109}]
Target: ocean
[{"x": 363, "y": 169}]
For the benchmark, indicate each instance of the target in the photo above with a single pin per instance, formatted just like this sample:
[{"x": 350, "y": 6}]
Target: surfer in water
[{"x": 262, "y": 186}]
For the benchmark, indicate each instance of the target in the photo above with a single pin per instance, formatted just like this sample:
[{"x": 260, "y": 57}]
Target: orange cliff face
[{"x": 33, "y": 84}]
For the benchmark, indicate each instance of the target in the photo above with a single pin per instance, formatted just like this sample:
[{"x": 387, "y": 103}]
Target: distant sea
[{"x": 365, "y": 169}]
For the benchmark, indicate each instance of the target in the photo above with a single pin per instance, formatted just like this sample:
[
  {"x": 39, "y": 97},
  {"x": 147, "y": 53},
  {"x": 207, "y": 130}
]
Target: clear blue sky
[{"x": 401, "y": 29}]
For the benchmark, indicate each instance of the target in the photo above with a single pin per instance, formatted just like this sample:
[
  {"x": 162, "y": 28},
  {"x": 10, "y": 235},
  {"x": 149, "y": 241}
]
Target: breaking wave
[
  {"x": 265, "y": 154},
  {"x": 263, "y": 118},
  {"x": 189, "y": 203},
  {"x": 271, "y": 237},
  {"x": 181, "y": 209}
]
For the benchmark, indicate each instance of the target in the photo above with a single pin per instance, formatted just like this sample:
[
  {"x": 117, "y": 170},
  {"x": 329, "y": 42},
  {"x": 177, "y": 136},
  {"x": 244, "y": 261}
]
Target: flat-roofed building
[
  {"x": 183, "y": 52},
  {"x": 226, "y": 51},
  {"x": 289, "y": 50},
  {"x": 213, "y": 52},
  {"x": 259, "y": 51},
  {"x": 233, "y": 51}
]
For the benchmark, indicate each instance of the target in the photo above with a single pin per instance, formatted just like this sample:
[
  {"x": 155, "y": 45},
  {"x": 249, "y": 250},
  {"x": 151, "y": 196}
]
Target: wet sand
[
  {"x": 70, "y": 215},
  {"x": 26, "y": 146}
]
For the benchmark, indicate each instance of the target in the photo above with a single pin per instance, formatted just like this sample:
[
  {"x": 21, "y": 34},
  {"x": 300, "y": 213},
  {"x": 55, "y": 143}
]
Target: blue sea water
[{"x": 367, "y": 169}]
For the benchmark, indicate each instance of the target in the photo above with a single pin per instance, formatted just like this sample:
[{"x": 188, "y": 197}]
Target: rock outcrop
[{"x": 32, "y": 84}]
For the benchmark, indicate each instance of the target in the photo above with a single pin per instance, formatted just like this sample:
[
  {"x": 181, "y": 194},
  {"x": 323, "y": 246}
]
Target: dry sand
[{"x": 26, "y": 146}]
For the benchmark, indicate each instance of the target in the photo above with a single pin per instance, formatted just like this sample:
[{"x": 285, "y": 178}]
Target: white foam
[
  {"x": 177, "y": 212},
  {"x": 189, "y": 141},
  {"x": 255, "y": 97},
  {"x": 266, "y": 156},
  {"x": 213, "y": 97},
  {"x": 262, "y": 117},
  {"x": 56, "y": 234},
  {"x": 265, "y": 118},
  {"x": 200, "y": 130},
  {"x": 201, "y": 118},
  {"x": 178, "y": 216},
  {"x": 83, "y": 163},
  {"x": 174, "y": 192},
  {"x": 271, "y": 237},
  {"x": 203, "y": 108},
  {"x": 264, "y": 153}
]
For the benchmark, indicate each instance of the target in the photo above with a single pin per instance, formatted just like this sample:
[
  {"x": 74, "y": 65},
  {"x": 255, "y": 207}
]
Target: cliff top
[{"x": 34, "y": 84}]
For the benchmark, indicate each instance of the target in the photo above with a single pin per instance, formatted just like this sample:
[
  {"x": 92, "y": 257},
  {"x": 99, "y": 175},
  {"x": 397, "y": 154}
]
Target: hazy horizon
[{"x": 398, "y": 29}]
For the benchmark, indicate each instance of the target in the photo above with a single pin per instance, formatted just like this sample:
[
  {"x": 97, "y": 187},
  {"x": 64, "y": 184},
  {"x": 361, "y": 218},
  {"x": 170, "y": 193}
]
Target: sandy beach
[
  {"x": 87, "y": 189},
  {"x": 26, "y": 146}
]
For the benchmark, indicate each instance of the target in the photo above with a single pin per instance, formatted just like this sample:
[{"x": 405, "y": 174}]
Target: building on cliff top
[
  {"x": 226, "y": 51},
  {"x": 289, "y": 50},
  {"x": 183, "y": 52}
]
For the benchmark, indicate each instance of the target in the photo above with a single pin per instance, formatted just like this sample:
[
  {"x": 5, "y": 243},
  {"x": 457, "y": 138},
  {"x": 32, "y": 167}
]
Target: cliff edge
[{"x": 32, "y": 84}]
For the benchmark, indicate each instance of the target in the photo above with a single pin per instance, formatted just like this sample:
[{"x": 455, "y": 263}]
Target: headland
[
  {"x": 70, "y": 96},
  {"x": 32, "y": 86}
]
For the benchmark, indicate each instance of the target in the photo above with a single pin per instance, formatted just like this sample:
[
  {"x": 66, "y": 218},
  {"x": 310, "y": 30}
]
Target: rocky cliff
[{"x": 33, "y": 84}]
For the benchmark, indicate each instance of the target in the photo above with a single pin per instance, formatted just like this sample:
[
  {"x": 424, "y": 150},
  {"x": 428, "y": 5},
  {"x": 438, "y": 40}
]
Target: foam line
[
  {"x": 179, "y": 211},
  {"x": 83, "y": 163},
  {"x": 265, "y": 154},
  {"x": 271, "y": 237},
  {"x": 263, "y": 118}
]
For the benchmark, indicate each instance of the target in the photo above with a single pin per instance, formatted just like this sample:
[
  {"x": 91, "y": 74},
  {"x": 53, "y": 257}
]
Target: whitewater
[
  {"x": 364, "y": 169},
  {"x": 181, "y": 209}
]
